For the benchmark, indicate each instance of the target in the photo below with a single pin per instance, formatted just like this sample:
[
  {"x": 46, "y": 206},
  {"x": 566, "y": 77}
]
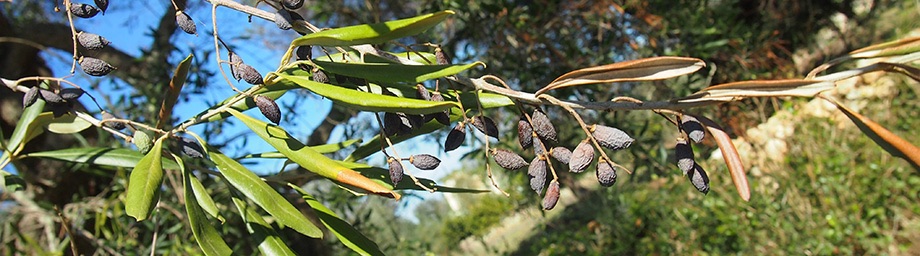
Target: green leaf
[
  {"x": 204, "y": 199},
  {"x": 205, "y": 234},
  {"x": 310, "y": 159},
  {"x": 264, "y": 195},
  {"x": 365, "y": 101},
  {"x": 322, "y": 149},
  {"x": 347, "y": 234},
  {"x": 172, "y": 94},
  {"x": 23, "y": 127},
  {"x": 118, "y": 157},
  {"x": 423, "y": 58},
  {"x": 144, "y": 183},
  {"x": 390, "y": 72},
  {"x": 67, "y": 124},
  {"x": 269, "y": 241},
  {"x": 10, "y": 182},
  {"x": 372, "y": 33}
]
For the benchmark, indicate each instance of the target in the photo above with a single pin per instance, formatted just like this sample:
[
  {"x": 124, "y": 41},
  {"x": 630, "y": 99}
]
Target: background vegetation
[{"x": 831, "y": 191}]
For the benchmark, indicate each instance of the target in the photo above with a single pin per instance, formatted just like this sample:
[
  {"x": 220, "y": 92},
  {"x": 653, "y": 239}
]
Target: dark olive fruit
[
  {"x": 396, "y": 170},
  {"x": 92, "y": 41},
  {"x": 186, "y": 23},
  {"x": 610, "y": 137},
  {"x": 485, "y": 125},
  {"x": 320, "y": 77},
  {"x": 507, "y": 159},
  {"x": 421, "y": 92},
  {"x": 191, "y": 148},
  {"x": 455, "y": 138},
  {"x": 525, "y": 133},
  {"x": 684, "y": 155},
  {"x": 249, "y": 74},
  {"x": 537, "y": 173},
  {"x": 441, "y": 57},
  {"x": 391, "y": 124},
  {"x": 282, "y": 19},
  {"x": 699, "y": 178},
  {"x": 50, "y": 96},
  {"x": 113, "y": 125},
  {"x": 269, "y": 108},
  {"x": 424, "y": 161},
  {"x": 443, "y": 117},
  {"x": 552, "y": 196},
  {"x": 304, "y": 52},
  {"x": 71, "y": 93},
  {"x": 340, "y": 79},
  {"x": 30, "y": 97},
  {"x": 581, "y": 157},
  {"x": 143, "y": 140},
  {"x": 542, "y": 126},
  {"x": 95, "y": 67},
  {"x": 60, "y": 109},
  {"x": 692, "y": 127},
  {"x": 606, "y": 174},
  {"x": 83, "y": 10},
  {"x": 561, "y": 154},
  {"x": 537, "y": 145},
  {"x": 103, "y": 5},
  {"x": 292, "y": 4}
]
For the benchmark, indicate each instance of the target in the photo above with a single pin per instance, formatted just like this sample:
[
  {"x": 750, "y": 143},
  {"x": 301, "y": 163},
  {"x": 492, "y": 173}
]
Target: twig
[{"x": 396, "y": 155}]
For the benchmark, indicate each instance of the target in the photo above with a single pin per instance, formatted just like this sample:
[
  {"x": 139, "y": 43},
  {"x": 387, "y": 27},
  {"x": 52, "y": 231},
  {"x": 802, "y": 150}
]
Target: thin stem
[
  {"x": 581, "y": 123},
  {"x": 73, "y": 33},
  {"x": 217, "y": 47}
]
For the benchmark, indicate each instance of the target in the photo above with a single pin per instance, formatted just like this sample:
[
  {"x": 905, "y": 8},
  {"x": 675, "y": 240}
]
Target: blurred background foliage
[{"x": 831, "y": 191}]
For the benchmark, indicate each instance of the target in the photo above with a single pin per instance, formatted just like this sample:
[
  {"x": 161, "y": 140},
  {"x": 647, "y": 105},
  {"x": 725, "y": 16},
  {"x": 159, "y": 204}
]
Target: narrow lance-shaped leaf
[
  {"x": 347, "y": 234},
  {"x": 118, "y": 157},
  {"x": 372, "y": 33},
  {"x": 889, "y": 141},
  {"x": 382, "y": 177},
  {"x": 21, "y": 134},
  {"x": 730, "y": 154},
  {"x": 365, "y": 101},
  {"x": 322, "y": 149},
  {"x": 389, "y": 72},
  {"x": 204, "y": 199},
  {"x": 205, "y": 234},
  {"x": 144, "y": 183},
  {"x": 264, "y": 195},
  {"x": 892, "y": 48},
  {"x": 310, "y": 159},
  {"x": 647, "y": 69},
  {"x": 172, "y": 94},
  {"x": 760, "y": 88},
  {"x": 270, "y": 243}
]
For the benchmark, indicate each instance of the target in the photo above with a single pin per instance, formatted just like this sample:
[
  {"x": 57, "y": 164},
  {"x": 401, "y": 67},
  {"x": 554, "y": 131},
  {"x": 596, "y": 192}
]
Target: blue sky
[{"x": 125, "y": 25}]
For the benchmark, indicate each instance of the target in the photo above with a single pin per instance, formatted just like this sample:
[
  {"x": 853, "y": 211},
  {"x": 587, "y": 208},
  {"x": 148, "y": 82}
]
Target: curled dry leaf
[
  {"x": 30, "y": 97},
  {"x": 507, "y": 159},
  {"x": 731, "y": 156},
  {"x": 894, "y": 144},
  {"x": 552, "y": 196},
  {"x": 760, "y": 88},
  {"x": 647, "y": 69}
]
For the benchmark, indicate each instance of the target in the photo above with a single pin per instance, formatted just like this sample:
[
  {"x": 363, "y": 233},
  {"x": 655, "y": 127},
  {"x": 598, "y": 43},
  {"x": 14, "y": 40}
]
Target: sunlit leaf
[
  {"x": 731, "y": 156},
  {"x": 264, "y": 195},
  {"x": 206, "y": 235},
  {"x": 647, "y": 69},
  {"x": 892, "y": 48},
  {"x": 372, "y": 33},
  {"x": 67, "y": 124},
  {"x": 172, "y": 94},
  {"x": 889, "y": 141},
  {"x": 422, "y": 58},
  {"x": 24, "y": 130},
  {"x": 760, "y": 88},
  {"x": 204, "y": 199},
  {"x": 348, "y": 235},
  {"x": 381, "y": 176},
  {"x": 389, "y": 72},
  {"x": 144, "y": 183},
  {"x": 269, "y": 241},
  {"x": 365, "y": 101},
  {"x": 310, "y": 159},
  {"x": 118, "y": 157}
]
